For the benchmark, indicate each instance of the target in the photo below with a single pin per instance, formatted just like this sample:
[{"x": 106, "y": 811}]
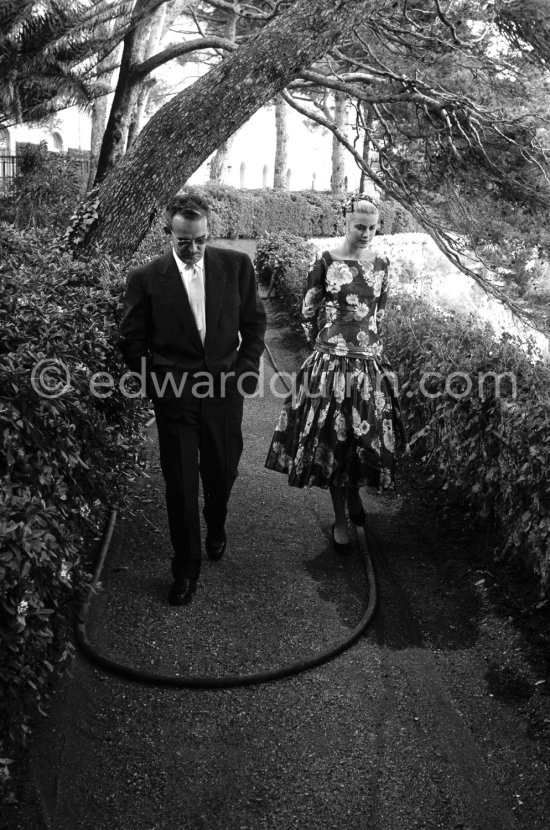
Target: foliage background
[
  {"x": 45, "y": 191},
  {"x": 253, "y": 214},
  {"x": 65, "y": 460}
]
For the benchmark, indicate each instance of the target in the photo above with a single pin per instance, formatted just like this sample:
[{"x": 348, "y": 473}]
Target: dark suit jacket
[{"x": 158, "y": 322}]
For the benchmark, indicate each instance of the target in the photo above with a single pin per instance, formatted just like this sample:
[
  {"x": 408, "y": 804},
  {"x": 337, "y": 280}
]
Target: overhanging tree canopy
[
  {"x": 47, "y": 50},
  {"x": 456, "y": 118},
  {"x": 451, "y": 94},
  {"x": 187, "y": 129}
]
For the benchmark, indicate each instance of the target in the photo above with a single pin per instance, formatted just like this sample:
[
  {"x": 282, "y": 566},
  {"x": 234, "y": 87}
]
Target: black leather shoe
[
  {"x": 340, "y": 547},
  {"x": 215, "y": 548},
  {"x": 182, "y": 592},
  {"x": 358, "y": 518}
]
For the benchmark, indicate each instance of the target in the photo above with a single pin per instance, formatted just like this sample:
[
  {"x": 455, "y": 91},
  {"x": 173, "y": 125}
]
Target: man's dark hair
[{"x": 189, "y": 204}]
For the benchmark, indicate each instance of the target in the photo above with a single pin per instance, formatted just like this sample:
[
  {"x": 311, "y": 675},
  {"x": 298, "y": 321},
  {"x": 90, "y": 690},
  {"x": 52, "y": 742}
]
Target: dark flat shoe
[
  {"x": 215, "y": 548},
  {"x": 358, "y": 518},
  {"x": 340, "y": 547},
  {"x": 182, "y": 592}
]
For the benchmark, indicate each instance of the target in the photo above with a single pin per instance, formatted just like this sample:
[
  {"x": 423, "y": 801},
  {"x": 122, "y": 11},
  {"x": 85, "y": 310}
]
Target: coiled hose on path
[{"x": 228, "y": 680}]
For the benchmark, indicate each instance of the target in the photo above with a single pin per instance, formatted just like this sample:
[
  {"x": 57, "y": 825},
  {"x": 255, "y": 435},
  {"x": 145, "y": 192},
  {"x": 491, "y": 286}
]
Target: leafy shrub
[
  {"x": 85, "y": 214},
  {"x": 491, "y": 446},
  {"x": 45, "y": 191},
  {"x": 64, "y": 458},
  {"x": 284, "y": 261},
  {"x": 250, "y": 214},
  {"x": 395, "y": 219},
  {"x": 254, "y": 214}
]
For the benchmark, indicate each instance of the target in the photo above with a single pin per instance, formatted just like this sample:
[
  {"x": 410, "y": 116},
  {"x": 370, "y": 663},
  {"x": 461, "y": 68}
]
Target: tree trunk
[
  {"x": 219, "y": 162},
  {"x": 187, "y": 129},
  {"x": 368, "y": 118},
  {"x": 125, "y": 98},
  {"x": 138, "y": 114},
  {"x": 105, "y": 72},
  {"x": 98, "y": 122},
  {"x": 281, "y": 148},
  {"x": 156, "y": 31},
  {"x": 338, "y": 178}
]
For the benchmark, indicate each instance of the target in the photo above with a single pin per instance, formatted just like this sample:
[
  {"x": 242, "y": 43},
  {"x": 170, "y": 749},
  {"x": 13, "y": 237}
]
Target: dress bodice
[{"x": 343, "y": 304}]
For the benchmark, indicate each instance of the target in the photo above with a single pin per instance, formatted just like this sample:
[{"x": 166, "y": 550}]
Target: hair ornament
[{"x": 350, "y": 204}]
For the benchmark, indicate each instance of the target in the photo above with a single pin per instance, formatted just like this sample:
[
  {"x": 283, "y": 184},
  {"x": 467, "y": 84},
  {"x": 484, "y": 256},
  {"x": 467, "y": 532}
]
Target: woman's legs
[
  {"x": 338, "y": 495},
  {"x": 355, "y": 505}
]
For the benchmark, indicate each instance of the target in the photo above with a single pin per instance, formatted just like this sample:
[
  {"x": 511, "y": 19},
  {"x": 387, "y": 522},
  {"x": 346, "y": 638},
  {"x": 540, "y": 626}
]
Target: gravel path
[{"x": 408, "y": 730}]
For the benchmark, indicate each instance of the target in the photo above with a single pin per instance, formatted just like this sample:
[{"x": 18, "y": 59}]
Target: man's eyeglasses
[{"x": 199, "y": 241}]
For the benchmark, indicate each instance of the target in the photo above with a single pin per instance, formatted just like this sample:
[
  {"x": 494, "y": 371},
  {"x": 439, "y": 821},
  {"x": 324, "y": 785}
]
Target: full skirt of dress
[{"x": 338, "y": 425}]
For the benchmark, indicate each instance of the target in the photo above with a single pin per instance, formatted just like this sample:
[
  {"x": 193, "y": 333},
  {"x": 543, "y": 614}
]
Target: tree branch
[
  {"x": 139, "y": 72},
  {"x": 446, "y": 22},
  {"x": 326, "y": 80},
  {"x": 409, "y": 94},
  {"x": 446, "y": 243},
  {"x": 240, "y": 9}
]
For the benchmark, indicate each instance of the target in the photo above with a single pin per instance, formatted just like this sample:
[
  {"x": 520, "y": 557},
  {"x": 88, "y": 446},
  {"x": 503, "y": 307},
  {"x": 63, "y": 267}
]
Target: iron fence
[
  {"x": 8, "y": 172},
  {"x": 9, "y": 168}
]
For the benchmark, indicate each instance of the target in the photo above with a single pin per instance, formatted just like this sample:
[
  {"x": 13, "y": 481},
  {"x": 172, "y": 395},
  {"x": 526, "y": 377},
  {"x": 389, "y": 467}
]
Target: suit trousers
[{"x": 199, "y": 439}]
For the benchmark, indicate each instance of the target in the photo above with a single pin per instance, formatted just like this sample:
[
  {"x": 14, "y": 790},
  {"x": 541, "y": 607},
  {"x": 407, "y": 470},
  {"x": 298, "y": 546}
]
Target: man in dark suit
[{"x": 194, "y": 325}]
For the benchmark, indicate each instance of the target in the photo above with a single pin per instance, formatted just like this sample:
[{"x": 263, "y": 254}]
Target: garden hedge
[
  {"x": 285, "y": 259},
  {"x": 249, "y": 214},
  {"x": 65, "y": 458},
  {"x": 490, "y": 446},
  {"x": 253, "y": 214},
  {"x": 46, "y": 190}
]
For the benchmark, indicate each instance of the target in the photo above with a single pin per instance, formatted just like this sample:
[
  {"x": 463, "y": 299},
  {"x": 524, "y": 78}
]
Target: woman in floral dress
[{"x": 338, "y": 426}]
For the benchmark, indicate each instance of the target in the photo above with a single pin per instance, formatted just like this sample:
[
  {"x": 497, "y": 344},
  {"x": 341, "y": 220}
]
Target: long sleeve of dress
[{"x": 313, "y": 299}]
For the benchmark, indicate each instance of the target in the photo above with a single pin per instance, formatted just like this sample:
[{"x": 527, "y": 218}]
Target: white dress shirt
[{"x": 193, "y": 282}]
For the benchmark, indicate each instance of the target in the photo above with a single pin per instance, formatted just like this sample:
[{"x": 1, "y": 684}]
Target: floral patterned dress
[{"x": 339, "y": 423}]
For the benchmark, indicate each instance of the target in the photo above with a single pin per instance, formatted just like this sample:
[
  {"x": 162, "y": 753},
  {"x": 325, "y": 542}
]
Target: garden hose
[
  {"x": 207, "y": 681},
  {"x": 228, "y": 680}
]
